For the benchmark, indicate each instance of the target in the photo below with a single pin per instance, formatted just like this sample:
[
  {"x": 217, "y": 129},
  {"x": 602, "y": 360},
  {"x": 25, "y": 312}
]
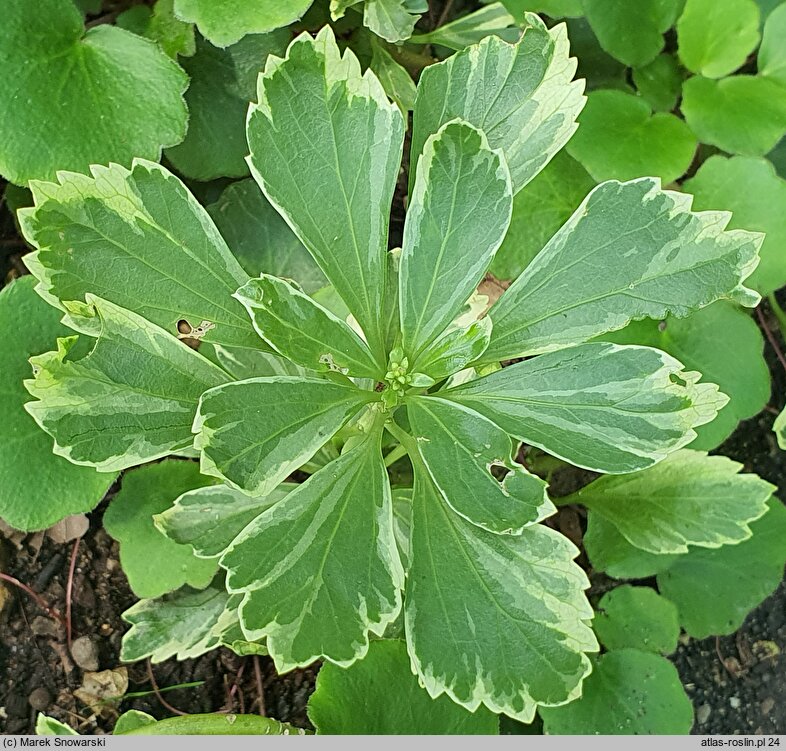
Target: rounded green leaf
[
  {"x": 153, "y": 563},
  {"x": 96, "y": 96},
  {"x": 693, "y": 340},
  {"x": 637, "y": 617},
  {"x": 632, "y": 32},
  {"x": 739, "y": 114},
  {"x": 612, "y": 129},
  {"x": 222, "y": 84},
  {"x": 714, "y": 590},
  {"x": 354, "y": 701},
  {"x": 628, "y": 693},
  {"x": 716, "y": 36},
  {"x": 224, "y": 22},
  {"x": 57, "y": 488},
  {"x": 756, "y": 196},
  {"x": 772, "y": 53},
  {"x": 659, "y": 82}
]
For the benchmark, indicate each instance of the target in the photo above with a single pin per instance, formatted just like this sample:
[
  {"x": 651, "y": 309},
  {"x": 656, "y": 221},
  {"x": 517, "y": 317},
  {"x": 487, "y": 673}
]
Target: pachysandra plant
[{"x": 491, "y": 603}]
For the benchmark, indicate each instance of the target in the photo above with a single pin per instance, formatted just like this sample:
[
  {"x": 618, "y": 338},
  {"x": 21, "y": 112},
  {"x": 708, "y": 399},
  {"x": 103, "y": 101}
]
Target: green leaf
[
  {"x": 130, "y": 400},
  {"x": 600, "y": 406},
  {"x": 631, "y": 32},
  {"x": 184, "y": 624},
  {"x": 243, "y": 364},
  {"x": 133, "y": 718},
  {"x": 50, "y": 726},
  {"x": 255, "y": 433},
  {"x": 259, "y": 237},
  {"x": 629, "y": 693},
  {"x": 56, "y": 489},
  {"x": 222, "y": 84},
  {"x": 688, "y": 499},
  {"x": 92, "y": 96},
  {"x": 354, "y": 701},
  {"x": 601, "y": 71},
  {"x": 459, "y": 448},
  {"x": 637, "y": 617},
  {"x": 539, "y": 210},
  {"x": 209, "y": 518},
  {"x": 629, "y": 251},
  {"x": 493, "y": 19},
  {"x": 218, "y": 724},
  {"x": 771, "y": 60},
  {"x": 160, "y": 24},
  {"x": 454, "y": 350},
  {"x": 303, "y": 331},
  {"x": 390, "y": 19},
  {"x": 458, "y": 214},
  {"x": 750, "y": 188},
  {"x": 715, "y": 589},
  {"x": 224, "y": 22},
  {"x": 395, "y": 79},
  {"x": 308, "y": 154},
  {"x": 320, "y": 569},
  {"x": 715, "y": 37},
  {"x": 498, "y": 620},
  {"x": 153, "y": 563},
  {"x": 779, "y": 426},
  {"x": 140, "y": 240},
  {"x": 553, "y": 8},
  {"x": 744, "y": 378},
  {"x": 739, "y": 114},
  {"x": 520, "y": 95},
  {"x": 611, "y": 553},
  {"x": 614, "y": 125},
  {"x": 659, "y": 82}
]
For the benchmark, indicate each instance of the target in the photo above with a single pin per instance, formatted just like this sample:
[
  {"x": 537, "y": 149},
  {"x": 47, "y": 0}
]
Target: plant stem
[
  {"x": 771, "y": 337},
  {"x": 394, "y": 455},
  {"x": 778, "y": 312}
]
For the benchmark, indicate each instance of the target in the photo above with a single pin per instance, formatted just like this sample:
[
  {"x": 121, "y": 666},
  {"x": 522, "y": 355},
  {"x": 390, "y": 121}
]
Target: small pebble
[
  {"x": 85, "y": 653},
  {"x": 44, "y": 626},
  {"x": 40, "y": 699},
  {"x": 703, "y": 713},
  {"x": 735, "y": 702}
]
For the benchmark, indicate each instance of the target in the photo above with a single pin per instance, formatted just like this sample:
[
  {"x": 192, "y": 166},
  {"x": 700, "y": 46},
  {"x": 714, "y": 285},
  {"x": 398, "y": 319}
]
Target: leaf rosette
[{"x": 492, "y": 602}]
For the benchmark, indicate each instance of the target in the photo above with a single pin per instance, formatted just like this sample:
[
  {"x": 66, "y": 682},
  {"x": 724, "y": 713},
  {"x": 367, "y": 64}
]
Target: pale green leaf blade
[
  {"x": 750, "y": 188},
  {"x": 714, "y": 590},
  {"x": 604, "y": 407},
  {"x": 354, "y": 701},
  {"x": 459, "y": 448},
  {"x": 688, "y": 499},
  {"x": 715, "y": 37},
  {"x": 92, "y": 96},
  {"x": 610, "y": 552},
  {"x": 631, "y": 32},
  {"x": 614, "y": 125},
  {"x": 739, "y": 114},
  {"x": 458, "y": 215},
  {"x": 659, "y": 82},
  {"x": 493, "y": 19},
  {"x": 140, "y": 240},
  {"x": 630, "y": 251},
  {"x": 539, "y": 210},
  {"x": 454, "y": 350},
  {"x": 160, "y": 24},
  {"x": 243, "y": 364},
  {"x": 129, "y": 400},
  {"x": 301, "y": 330},
  {"x": 637, "y": 618},
  {"x": 389, "y": 19},
  {"x": 395, "y": 78},
  {"x": 320, "y": 569},
  {"x": 771, "y": 60},
  {"x": 57, "y": 488},
  {"x": 259, "y": 237},
  {"x": 224, "y": 22},
  {"x": 779, "y": 426},
  {"x": 328, "y": 160},
  {"x": 255, "y": 433},
  {"x": 628, "y": 693},
  {"x": 520, "y": 95},
  {"x": 209, "y": 518},
  {"x": 133, "y": 718},
  {"x": 497, "y": 620},
  {"x": 50, "y": 726},
  {"x": 222, "y": 83},
  {"x": 154, "y": 564},
  {"x": 180, "y": 625},
  {"x": 218, "y": 724},
  {"x": 744, "y": 378}
]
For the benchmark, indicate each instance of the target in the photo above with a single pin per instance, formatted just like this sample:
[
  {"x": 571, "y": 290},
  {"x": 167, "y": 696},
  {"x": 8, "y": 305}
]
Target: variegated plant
[{"x": 491, "y": 602}]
